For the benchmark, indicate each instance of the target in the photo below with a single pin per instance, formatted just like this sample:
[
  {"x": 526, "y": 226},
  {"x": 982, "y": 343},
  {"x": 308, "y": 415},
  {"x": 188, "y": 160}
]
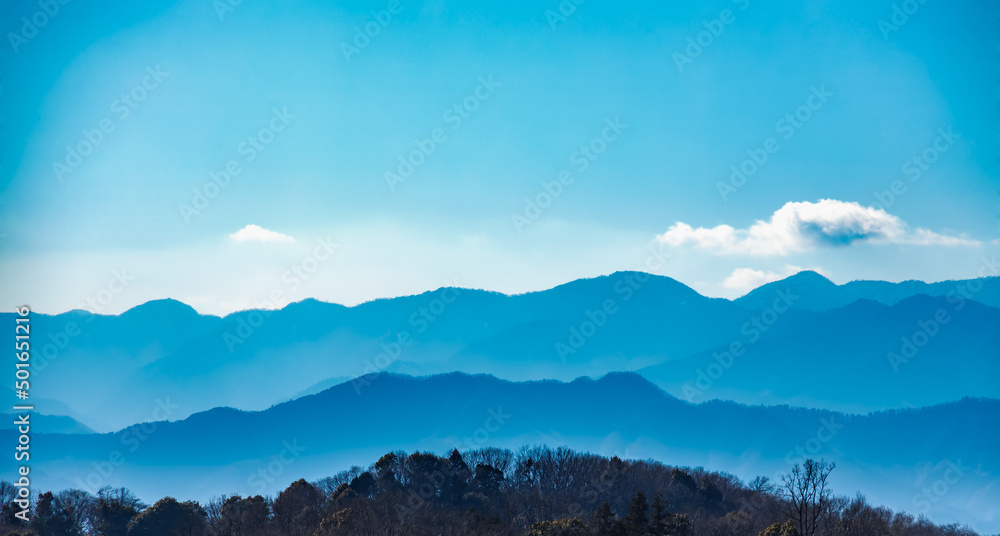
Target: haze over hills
[
  {"x": 892, "y": 456},
  {"x": 861, "y": 357},
  {"x": 203, "y": 386},
  {"x": 45, "y": 424},
  {"x": 262, "y": 201},
  {"x": 819, "y": 293},
  {"x": 113, "y": 370}
]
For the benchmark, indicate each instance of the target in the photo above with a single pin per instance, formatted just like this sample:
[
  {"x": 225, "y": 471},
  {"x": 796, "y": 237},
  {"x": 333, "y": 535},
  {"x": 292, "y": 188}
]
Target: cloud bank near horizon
[{"x": 804, "y": 226}]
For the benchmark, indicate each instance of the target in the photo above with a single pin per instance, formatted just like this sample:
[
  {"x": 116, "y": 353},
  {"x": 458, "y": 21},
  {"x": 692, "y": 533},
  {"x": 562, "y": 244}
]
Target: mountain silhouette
[
  {"x": 819, "y": 293},
  {"x": 857, "y": 358},
  {"x": 221, "y": 450},
  {"x": 625, "y": 321}
]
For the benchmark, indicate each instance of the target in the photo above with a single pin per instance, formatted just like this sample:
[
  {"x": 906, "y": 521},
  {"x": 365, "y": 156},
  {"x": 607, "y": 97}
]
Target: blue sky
[{"x": 536, "y": 89}]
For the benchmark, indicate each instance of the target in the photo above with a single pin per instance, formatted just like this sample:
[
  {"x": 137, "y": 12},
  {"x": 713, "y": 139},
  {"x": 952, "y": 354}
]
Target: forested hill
[
  {"x": 886, "y": 455},
  {"x": 533, "y": 491}
]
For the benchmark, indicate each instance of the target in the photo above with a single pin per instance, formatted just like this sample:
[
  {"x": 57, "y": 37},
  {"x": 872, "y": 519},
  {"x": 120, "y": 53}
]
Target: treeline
[{"x": 535, "y": 491}]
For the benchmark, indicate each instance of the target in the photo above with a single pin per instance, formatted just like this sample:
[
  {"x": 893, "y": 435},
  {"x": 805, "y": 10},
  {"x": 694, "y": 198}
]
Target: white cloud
[
  {"x": 746, "y": 279},
  {"x": 804, "y": 226},
  {"x": 923, "y": 237},
  {"x": 256, "y": 233}
]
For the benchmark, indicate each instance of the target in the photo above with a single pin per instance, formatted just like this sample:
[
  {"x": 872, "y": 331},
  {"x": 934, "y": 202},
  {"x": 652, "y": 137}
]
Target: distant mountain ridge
[
  {"x": 45, "y": 424},
  {"x": 625, "y": 321},
  {"x": 819, "y": 293},
  {"x": 864, "y": 356}
]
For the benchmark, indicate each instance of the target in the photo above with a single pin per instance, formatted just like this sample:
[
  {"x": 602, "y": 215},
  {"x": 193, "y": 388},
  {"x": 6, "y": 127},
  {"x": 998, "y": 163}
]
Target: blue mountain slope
[
  {"x": 819, "y": 293},
  {"x": 626, "y": 321},
  {"x": 44, "y": 424},
  {"x": 219, "y": 451},
  {"x": 861, "y": 357}
]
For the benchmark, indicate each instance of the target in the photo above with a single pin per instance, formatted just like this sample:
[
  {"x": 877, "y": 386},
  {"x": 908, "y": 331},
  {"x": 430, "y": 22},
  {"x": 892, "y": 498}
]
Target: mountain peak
[
  {"x": 314, "y": 304},
  {"x": 161, "y": 308},
  {"x": 625, "y": 277},
  {"x": 632, "y": 382},
  {"x": 814, "y": 290},
  {"x": 808, "y": 276}
]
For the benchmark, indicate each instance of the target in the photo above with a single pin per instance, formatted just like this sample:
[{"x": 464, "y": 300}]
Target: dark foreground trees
[
  {"x": 535, "y": 491},
  {"x": 808, "y": 498},
  {"x": 168, "y": 516}
]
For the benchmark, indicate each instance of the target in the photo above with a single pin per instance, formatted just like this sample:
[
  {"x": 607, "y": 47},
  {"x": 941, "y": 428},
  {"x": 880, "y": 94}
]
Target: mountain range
[
  {"x": 900, "y": 458},
  {"x": 804, "y": 341}
]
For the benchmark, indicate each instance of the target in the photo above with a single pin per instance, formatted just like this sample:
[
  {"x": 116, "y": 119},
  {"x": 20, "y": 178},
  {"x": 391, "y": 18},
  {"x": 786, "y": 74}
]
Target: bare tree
[
  {"x": 81, "y": 507},
  {"x": 809, "y": 498},
  {"x": 7, "y": 507},
  {"x": 761, "y": 484}
]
